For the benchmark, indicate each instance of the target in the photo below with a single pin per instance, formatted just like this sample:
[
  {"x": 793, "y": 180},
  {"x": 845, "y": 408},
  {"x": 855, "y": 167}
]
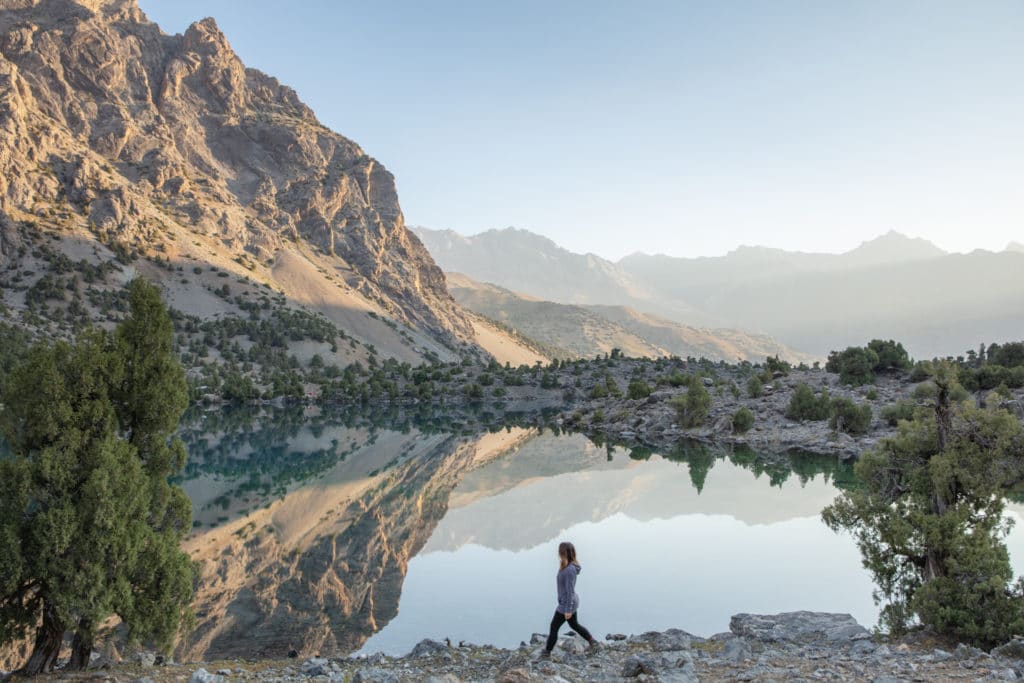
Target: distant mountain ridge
[
  {"x": 530, "y": 264},
  {"x": 893, "y": 286},
  {"x": 504, "y": 251},
  {"x": 892, "y": 247},
  {"x": 573, "y": 331}
]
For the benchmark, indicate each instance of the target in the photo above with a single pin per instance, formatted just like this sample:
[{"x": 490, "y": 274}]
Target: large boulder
[
  {"x": 428, "y": 647},
  {"x": 801, "y": 627},
  {"x": 667, "y": 641}
]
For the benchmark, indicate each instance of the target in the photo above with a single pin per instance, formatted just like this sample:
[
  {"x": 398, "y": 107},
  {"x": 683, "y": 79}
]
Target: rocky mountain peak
[
  {"x": 131, "y": 129},
  {"x": 205, "y": 38}
]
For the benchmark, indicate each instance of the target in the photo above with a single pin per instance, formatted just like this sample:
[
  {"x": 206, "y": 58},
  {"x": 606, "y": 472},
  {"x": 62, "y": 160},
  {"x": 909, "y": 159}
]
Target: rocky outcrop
[
  {"x": 798, "y": 627},
  {"x": 106, "y": 120},
  {"x": 654, "y": 422},
  {"x": 10, "y": 240}
]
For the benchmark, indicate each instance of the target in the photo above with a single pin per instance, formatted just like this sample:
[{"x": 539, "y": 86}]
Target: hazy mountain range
[
  {"x": 937, "y": 303},
  {"x": 585, "y": 330}
]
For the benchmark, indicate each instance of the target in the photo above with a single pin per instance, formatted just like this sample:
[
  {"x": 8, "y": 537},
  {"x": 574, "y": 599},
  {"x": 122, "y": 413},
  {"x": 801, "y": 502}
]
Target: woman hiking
[{"x": 568, "y": 600}]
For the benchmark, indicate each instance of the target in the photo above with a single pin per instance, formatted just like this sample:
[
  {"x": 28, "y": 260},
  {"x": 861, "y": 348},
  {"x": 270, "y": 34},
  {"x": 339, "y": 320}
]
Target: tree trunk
[
  {"x": 943, "y": 419},
  {"x": 935, "y": 566},
  {"x": 81, "y": 647},
  {"x": 49, "y": 637}
]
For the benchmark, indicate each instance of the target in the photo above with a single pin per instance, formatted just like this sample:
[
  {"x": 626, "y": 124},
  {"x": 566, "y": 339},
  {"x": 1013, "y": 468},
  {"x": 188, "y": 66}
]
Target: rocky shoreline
[
  {"x": 653, "y": 422},
  {"x": 793, "y": 646}
]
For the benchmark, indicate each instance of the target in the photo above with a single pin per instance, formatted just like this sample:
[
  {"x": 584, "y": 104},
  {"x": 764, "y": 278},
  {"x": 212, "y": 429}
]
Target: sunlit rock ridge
[{"x": 112, "y": 131}]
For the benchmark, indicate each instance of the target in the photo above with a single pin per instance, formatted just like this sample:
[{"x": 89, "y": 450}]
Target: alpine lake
[{"x": 343, "y": 530}]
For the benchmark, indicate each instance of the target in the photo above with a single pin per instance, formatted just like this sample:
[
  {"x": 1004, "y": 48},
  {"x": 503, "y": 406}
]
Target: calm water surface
[
  {"x": 683, "y": 539},
  {"x": 656, "y": 552}
]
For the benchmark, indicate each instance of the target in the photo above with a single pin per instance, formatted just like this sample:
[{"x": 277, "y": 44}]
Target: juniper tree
[
  {"x": 804, "y": 404},
  {"x": 856, "y": 365},
  {"x": 928, "y": 519},
  {"x": 89, "y": 523},
  {"x": 692, "y": 407}
]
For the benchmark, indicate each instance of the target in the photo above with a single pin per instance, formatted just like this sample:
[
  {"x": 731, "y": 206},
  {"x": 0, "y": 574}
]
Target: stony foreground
[{"x": 796, "y": 646}]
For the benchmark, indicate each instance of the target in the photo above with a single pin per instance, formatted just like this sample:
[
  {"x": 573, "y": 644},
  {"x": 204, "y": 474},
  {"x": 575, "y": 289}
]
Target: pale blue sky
[{"x": 675, "y": 127}]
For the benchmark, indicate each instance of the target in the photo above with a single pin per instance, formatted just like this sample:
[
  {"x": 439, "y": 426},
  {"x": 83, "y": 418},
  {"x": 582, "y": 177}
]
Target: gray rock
[
  {"x": 640, "y": 664},
  {"x": 941, "y": 655},
  {"x": 373, "y": 675},
  {"x": 144, "y": 658},
  {"x": 574, "y": 645},
  {"x": 735, "y": 650},
  {"x": 538, "y": 639},
  {"x": 753, "y": 673},
  {"x": 862, "y": 647},
  {"x": 1011, "y": 650},
  {"x": 888, "y": 679},
  {"x": 428, "y": 647},
  {"x": 1003, "y": 674},
  {"x": 667, "y": 641},
  {"x": 678, "y": 676},
  {"x": 203, "y": 676},
  {"x": 797, "y": 627},
  {"x": 99, "y": 660},
  {"x": 137, "y": 680},
  {"x": 445, "y": 678},
  {"x": 223, "y": 672},
  {"x": 615, "y": 636},
  {"x": 316, "y": 666},
  {"x": 963, "y": 652}
]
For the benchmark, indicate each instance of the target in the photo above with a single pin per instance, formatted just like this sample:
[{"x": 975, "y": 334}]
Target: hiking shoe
[{"x": 595, "y": 646}]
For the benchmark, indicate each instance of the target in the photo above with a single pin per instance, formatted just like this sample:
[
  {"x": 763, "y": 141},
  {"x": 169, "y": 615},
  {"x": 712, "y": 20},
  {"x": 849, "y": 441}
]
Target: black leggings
[{"x": 556, "y": 623}]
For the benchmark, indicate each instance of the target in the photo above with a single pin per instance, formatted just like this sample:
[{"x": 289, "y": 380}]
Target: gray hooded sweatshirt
[{"x": 568, "y": 601}]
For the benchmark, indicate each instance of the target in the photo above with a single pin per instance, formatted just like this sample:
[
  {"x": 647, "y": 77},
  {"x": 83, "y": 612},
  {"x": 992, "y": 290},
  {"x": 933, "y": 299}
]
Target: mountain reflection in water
[{"x": 331, "y": 531}]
